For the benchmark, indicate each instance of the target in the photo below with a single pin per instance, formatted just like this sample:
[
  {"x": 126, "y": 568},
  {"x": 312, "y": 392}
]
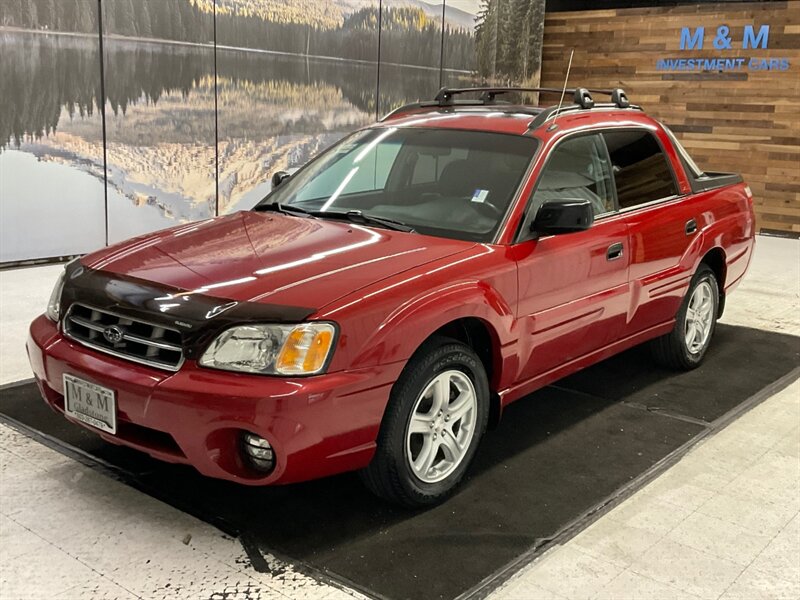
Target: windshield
[{"x": 450, "y": 183}]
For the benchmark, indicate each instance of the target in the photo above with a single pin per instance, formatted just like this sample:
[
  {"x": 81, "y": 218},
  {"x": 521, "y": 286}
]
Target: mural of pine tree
[{"x": 508, "y": 36}]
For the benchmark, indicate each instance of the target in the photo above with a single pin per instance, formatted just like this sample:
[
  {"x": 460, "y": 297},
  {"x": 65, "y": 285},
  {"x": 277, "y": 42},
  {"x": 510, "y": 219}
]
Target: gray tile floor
[
  {"x": 69, "y": 532},
  {"x": 722, "y": 523}
]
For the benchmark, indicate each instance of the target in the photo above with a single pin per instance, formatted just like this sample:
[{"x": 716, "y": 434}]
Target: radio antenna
[{"x": 563, "y": 90}]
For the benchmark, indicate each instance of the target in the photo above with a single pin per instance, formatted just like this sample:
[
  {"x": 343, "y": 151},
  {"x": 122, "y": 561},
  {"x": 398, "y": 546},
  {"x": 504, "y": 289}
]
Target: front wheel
[
  {"x": 436, "y": 416},
  {"x": 686, "y": 345}
]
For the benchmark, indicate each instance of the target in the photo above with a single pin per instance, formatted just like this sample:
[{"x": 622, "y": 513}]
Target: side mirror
[
  {"x": 279, "y": 177},
  {"x": 563, "y": 216}
]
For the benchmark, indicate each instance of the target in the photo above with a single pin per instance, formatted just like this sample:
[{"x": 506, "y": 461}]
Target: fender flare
[{"x": 420, "y": 317}]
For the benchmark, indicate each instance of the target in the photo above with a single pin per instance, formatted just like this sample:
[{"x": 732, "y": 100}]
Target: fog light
[{"x": 258, "y": 452}]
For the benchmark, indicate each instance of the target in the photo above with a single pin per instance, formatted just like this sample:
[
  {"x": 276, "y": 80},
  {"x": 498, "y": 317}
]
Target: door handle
[
  {"x": 614, "y": 251},
  {"x": 691, "y": 227}
]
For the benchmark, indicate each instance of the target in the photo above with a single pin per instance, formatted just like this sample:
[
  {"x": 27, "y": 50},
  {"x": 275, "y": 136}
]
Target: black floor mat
[{"x": 554, "y": 456}]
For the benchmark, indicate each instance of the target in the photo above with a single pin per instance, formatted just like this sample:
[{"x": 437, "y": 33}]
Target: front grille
[{"x": 125, "y": 337}]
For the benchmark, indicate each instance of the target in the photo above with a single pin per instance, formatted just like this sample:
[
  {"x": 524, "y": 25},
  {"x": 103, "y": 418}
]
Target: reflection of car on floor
[{"x": 379, "y": 308}]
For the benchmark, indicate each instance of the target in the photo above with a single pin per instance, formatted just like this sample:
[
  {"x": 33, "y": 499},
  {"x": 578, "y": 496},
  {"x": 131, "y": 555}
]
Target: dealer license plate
[{"x": 93, "y": 404}]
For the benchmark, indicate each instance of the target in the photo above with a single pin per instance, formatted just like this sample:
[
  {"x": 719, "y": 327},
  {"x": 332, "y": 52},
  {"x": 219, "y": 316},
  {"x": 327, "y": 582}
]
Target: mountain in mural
[
  {"x": 325, "y": 15},
  {"x": 330, "y": 14},
  {"x": 344, "y": 29},
  {"x": 193, "y": 129},
  {"x": 454, "y": 17}
]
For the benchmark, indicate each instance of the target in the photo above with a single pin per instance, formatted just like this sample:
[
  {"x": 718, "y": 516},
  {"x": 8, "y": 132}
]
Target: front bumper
[{"x": 317, "y": 426}]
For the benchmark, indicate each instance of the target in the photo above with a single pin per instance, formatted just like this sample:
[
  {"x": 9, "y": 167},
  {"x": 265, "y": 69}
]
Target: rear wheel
[
  {"x": 686, "y": 345},
  {"x": 436, "y": 416}
]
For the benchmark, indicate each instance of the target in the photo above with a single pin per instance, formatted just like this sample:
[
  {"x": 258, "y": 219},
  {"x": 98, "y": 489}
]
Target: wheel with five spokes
[
  {"x": 437, "y": 413},
  {"x": 686, "y": 345},
  {"x": 442, "y": 426}
]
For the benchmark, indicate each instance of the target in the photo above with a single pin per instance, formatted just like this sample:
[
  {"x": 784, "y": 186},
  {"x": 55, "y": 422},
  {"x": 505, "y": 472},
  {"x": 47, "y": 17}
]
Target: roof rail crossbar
[
  {"x": 446, "y": 97},
  {"x": 583, "y": 98},
  {"x": 549, "y": 113},
  {"x": 619, "y": 98}
]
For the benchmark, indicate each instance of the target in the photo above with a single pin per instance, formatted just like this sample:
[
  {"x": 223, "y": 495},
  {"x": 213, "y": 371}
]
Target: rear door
[
  {"x": 662, "y": 225},
  {"x": 572, "y": 287}
]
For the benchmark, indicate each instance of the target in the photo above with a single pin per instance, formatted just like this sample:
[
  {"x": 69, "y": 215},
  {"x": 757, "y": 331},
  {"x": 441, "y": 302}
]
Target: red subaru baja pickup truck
[{"x": 385, "y": 302}]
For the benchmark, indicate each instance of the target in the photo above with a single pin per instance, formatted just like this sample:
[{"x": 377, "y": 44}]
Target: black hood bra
[{"x": 198, "y": 317}]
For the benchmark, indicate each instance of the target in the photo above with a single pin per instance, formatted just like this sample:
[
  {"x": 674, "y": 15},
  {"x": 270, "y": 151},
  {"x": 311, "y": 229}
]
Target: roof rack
[
  {"x": 446, "y": 96},
  {"x": 582, "y": 97}
]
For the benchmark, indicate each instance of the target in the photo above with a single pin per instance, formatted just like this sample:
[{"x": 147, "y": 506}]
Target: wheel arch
[
  {"x": 479, "y": 335},
  {"x": 472, "y": 312}
]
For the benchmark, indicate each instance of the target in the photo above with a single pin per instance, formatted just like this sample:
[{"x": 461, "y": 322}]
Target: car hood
[{"x": 271, "y": 258}]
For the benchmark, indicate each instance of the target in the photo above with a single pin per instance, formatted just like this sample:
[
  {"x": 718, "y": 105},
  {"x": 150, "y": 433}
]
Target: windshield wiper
[
  {"x": 356, "y": 216},
  {"x": 296, "y": 211}
]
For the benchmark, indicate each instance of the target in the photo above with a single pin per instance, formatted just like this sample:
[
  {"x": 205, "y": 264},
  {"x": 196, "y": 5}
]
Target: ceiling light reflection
[
  {"x": 339, "y": 189},
  {"x": 374, "y": 143}
]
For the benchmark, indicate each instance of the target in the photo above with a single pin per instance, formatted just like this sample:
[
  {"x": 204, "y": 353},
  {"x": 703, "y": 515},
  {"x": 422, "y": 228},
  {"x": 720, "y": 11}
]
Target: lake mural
[{"x": 121, "y": 117}]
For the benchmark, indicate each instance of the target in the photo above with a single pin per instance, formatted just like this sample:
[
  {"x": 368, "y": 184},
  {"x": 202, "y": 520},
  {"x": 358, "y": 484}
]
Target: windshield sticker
[{"x": 480, "y": 195}]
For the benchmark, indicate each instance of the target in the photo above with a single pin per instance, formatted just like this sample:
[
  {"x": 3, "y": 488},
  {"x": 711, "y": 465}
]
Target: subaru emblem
[{"x": 113, "y": 333}]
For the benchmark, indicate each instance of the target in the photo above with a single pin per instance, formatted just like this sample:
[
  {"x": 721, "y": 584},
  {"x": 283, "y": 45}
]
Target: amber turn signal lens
[{"x": 305, "y": 350}]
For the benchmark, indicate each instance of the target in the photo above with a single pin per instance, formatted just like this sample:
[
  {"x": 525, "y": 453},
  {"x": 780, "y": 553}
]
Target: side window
[
  {"x": 641, "y": 170},
  {"x": 576, "y": 169}
]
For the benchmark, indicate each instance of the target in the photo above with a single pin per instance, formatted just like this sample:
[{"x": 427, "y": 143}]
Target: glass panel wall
[
  {"x": 291, "y": 81},
  {"x": 501, "y": 44},
  {"x": 160, "y": 123},
  {"x": 52, "y": 196},
  {"x": 459, "y": 52},
  {"x": 411, "y": 52},
  {"x": 183, "y": 109}
]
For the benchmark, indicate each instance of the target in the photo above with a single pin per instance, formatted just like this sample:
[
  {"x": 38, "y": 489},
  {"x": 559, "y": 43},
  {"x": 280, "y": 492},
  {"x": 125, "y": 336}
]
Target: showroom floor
[{"x": 722, "y": 522}]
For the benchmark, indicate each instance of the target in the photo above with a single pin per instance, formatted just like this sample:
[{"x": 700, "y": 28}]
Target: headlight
[
  {"x": 272, "y": 349},
  {"x": 54, "y": 304}
]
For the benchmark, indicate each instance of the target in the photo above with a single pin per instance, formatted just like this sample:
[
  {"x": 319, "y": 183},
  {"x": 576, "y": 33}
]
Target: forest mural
[
  {"x": 187, "y": 106},
  {"x": 508, "y": 40}
]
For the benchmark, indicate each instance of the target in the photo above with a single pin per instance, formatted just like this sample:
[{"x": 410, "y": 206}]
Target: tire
[
  {"x": 677, "y": 350},
  {"x": 441, "y": 374}
]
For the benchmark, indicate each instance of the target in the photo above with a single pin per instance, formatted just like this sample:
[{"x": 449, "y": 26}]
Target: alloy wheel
[
  {"x": 699, "y": 317},
  {"x": 442, "y": 426}
]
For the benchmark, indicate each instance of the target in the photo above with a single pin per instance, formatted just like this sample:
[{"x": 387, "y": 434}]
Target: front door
[{"x": 573, "y": 287}]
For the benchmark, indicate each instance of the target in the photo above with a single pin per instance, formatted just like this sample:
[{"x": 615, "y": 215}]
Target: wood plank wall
[{"x": 744, "y": 121}]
